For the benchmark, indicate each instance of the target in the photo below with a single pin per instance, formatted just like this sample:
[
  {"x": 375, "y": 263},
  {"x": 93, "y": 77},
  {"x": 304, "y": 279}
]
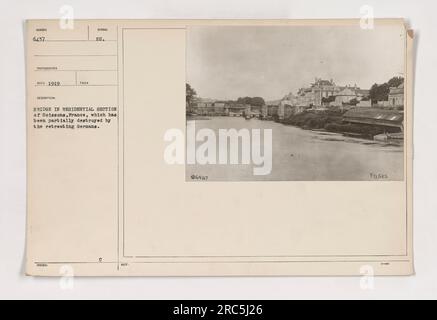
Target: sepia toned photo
[
  {"x": 219, "y": 148},
  {"x": 295, "y": 103}
]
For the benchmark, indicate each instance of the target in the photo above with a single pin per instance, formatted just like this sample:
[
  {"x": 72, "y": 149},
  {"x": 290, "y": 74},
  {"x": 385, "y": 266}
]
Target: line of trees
[
  {"x": 253, "y": 101},
  {"x": 190, "y": 95}
]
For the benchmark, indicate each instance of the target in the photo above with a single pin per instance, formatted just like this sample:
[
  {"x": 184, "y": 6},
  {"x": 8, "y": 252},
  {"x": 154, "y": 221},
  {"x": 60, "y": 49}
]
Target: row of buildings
[
  {"x": 326, "y": 93},
  {"x": 208, "y": 107},
  {"x": 321, "y": 95}
]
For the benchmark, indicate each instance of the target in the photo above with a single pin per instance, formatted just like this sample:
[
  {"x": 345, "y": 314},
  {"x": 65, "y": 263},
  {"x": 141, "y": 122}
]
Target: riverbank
[
  {"x": 334, "y": 122},
  {"x": 330, "y": 121},
  {"x": 195, "y": 117}
]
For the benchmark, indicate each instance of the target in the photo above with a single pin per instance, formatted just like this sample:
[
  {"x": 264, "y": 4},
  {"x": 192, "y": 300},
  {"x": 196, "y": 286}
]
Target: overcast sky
[{"x": 230, "y": 62}]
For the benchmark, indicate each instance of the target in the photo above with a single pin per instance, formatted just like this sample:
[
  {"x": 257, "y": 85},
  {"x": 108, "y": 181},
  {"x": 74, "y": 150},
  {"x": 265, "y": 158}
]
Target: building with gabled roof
[
  {"x": 375, "y": 116},
  {"x": 396, "y": 96}
]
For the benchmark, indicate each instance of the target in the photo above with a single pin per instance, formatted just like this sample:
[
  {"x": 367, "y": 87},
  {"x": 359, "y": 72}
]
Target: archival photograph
[{"x": 295, "y": 103}]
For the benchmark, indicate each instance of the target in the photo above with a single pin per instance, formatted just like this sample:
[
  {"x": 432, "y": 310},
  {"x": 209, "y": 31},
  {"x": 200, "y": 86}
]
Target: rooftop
[{"x": 375, "y": 114}]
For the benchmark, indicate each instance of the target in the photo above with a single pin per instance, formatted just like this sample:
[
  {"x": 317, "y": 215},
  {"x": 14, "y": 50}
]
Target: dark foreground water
[{"x": 300, "y": 154}]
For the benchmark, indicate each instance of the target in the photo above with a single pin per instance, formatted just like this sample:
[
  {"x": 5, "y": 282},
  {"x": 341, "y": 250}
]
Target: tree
[
  {"x": 190, "y": 93},
  {"x": 328, "y": 100},
  {"x": 353, "y": 102},
  {"x": 253, "y": 101},
  {"x": 395, "y": 81},
  {"x": 380, "y": 92},
  {"x": 257, "y": 101},
  {"x": 243, "y": 100}
]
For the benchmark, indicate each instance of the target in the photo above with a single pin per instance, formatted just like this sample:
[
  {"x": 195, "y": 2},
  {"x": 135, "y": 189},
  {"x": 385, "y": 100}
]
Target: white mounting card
[{"x": 219, "y": 147}]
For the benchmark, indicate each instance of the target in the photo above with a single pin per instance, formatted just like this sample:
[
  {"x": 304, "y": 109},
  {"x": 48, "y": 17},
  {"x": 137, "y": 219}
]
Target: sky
[{"x": 227, "y": 62}]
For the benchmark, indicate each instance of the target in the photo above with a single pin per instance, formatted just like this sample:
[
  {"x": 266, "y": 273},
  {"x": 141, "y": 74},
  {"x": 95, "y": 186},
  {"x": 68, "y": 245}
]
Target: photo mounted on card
[
  {"x": 312, "y": 103},
  {"x": 219, "y": 147}
]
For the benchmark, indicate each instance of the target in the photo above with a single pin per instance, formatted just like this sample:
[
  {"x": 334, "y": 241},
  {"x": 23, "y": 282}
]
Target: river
[{"x": 304, "y": 155}]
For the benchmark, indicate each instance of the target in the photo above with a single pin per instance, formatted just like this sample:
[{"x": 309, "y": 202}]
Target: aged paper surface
[{"x": 106, "y": 99}]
